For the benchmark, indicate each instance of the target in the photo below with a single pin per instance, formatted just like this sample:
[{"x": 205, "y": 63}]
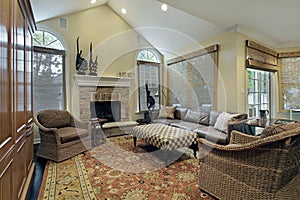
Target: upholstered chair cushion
[
  {"x": 275, "y": 129},
  {"x": 68, "y": 134},
  {"x": 54, "y": 118}
]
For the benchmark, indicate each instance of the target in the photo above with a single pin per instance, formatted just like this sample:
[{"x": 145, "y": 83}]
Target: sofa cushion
[
  {"x": 223, "y": 120},
  {"x": 211, "y": 134},
  {"x": 166, "y": 121},
  {"x": 275, "y": 129},
  {"x": 186, "y": 125},
  {"x": 54, "y": 118},
  {"x": 180, "y": 113},
  {"x": 196, "y": 117},
  {"x": 166, "y": 112},
  {"x": 68, "y": 134},
  {"x": 213, "y": 115}
]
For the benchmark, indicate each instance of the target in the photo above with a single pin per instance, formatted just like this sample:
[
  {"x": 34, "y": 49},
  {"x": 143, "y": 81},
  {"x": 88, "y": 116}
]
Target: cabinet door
[
  {"x": 6, "y": 176},
  {"x": 29, "y": 76},
  {"x": 19, "y": 71},
  {"x": 29, "y": 98},
  {"x": 20, "y": 100},
  {"x": 6, "y": 130}
]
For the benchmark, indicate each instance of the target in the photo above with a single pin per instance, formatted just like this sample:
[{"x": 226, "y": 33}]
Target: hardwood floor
[{"x": 40, "y": 164}]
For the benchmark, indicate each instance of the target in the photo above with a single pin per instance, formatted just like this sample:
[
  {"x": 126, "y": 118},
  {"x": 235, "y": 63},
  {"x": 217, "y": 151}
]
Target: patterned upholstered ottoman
[{"x": 165, "y": 137}]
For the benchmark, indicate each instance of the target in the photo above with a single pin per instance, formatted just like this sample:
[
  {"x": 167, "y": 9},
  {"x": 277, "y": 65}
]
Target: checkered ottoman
[{"x": 166, "y": 137}]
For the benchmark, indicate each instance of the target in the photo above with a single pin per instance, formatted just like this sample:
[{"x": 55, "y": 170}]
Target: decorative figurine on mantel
[
  {"x": 81, "y": 63},
  {"x": 93, "y": 65}
]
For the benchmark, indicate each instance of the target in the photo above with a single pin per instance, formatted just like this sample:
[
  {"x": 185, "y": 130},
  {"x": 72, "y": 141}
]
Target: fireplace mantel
[{"x": 93, "y": 81}]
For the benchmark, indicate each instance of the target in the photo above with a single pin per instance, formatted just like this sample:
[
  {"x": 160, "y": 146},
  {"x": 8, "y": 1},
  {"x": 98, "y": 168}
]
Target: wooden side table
[{"x": 97, "y": 133}]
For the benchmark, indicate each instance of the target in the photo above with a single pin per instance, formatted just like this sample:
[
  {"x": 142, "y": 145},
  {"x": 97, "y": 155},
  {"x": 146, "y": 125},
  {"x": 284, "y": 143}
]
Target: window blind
[{"x": 260, "y": 57}]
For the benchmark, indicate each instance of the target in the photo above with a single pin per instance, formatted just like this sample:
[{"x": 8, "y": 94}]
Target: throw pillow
[
  {"x": 166, "y": 112},
  {"x": 222, "y": 121},
  {"x": 196, "y": 117},
  {"x": 275, "y": 129}
]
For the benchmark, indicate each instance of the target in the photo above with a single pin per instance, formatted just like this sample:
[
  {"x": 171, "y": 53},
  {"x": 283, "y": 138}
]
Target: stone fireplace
[
  {"x": 111, "y": 92},
  {"x": 110, "y": 110}
]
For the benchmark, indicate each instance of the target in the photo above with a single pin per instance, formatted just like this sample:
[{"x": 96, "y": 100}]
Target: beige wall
[
  {"x": 232, "y": 86},
  {"x": 114, "y": 41},
  {"x": 227, "y": 67}
]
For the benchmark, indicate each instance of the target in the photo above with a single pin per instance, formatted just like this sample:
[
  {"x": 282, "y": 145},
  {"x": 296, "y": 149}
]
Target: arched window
[
  {"x": 148, "y": 63},
  {"x": 43, "y": 38},
  {"x": 148, "y": 56},
  {"x": 48, "y": 71}
]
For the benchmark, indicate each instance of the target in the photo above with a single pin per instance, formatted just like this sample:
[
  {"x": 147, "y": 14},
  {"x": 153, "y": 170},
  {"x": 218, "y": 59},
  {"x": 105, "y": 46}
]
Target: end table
[{"x": 96, "y": 131}]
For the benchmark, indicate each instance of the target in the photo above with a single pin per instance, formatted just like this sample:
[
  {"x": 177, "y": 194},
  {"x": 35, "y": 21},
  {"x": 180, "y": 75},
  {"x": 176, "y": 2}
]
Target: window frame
[
  {"x": 38, "y": 49},
  {"x": 142, "y": 86},
  {"x": 139, "y": 86},
  {"x": 259, "y": 81}
]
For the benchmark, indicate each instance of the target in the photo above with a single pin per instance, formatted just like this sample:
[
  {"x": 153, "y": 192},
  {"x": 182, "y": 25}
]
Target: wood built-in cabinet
[{"x": 16, "y": 97}]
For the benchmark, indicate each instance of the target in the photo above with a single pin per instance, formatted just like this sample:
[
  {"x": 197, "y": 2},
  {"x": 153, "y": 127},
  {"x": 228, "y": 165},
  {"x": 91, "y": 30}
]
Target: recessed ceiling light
[
  {"x": 123, "y": 10},
  {"x": 164, "y": 7},
  {"x": 93, "y": 1}
]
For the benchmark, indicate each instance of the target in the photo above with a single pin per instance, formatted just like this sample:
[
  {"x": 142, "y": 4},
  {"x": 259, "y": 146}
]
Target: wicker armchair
[
  {"x": 62, "y": 136},
  {"x": 260, "y": 168}
]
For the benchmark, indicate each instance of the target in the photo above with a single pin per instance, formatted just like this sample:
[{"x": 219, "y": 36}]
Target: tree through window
[{"x": 48, "y": 72}]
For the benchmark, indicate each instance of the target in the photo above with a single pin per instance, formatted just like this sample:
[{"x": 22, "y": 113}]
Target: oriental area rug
[{"x": 118, "y": 170}]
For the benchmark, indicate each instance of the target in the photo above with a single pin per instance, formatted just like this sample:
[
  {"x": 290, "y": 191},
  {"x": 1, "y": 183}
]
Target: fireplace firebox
[{"x": 110, "y": 110}]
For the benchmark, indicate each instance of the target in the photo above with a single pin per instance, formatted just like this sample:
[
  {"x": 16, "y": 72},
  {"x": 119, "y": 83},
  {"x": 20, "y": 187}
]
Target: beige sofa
[{"x": 201, "y": 122}]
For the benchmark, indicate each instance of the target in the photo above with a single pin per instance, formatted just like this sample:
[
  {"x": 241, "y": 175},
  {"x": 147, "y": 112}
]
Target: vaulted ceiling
[{"x": 276, "y": 22}]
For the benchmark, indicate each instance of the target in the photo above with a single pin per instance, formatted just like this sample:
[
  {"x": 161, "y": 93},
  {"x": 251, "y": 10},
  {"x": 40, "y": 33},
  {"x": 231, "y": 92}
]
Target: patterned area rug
[{"x": 117, "y": 170}]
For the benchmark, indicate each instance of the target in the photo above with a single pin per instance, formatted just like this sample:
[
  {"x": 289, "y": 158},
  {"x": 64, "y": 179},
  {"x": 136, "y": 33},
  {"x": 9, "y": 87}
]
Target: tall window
[
  {"x": 290, "y": 83},
  {"x": 148, "y": 72},
  {"x": 48, "y": 70},
  {"x": 258, "y": 91}
]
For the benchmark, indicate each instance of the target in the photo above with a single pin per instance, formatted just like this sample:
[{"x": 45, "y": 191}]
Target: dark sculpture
[
  {"x": 150, "y": 99},
  {"x": 93, "y": 65},
  {"x": 150, "y": 105},
  {"x": 81, "y": 63}
]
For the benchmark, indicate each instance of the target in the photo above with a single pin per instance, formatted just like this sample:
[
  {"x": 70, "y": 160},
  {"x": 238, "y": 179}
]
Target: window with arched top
[
  {"x": 148, "y": 62},
  {"x": 43, "y": 38},
  {"x": 148, "y": 56},
  {"x": 48, "y": 71}
]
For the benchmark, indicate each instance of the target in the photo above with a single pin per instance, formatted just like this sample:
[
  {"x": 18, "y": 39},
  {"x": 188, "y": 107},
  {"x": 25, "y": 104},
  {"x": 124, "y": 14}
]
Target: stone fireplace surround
[{"x": 96, "y": 88}]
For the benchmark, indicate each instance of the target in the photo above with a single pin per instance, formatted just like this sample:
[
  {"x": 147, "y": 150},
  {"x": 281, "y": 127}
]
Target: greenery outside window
[
  {"x": 48, "y": 72},
  {"x": 259, "y": 91},
  {"x": 148, "y": 64},
  {"x": 290, "y": 83}
]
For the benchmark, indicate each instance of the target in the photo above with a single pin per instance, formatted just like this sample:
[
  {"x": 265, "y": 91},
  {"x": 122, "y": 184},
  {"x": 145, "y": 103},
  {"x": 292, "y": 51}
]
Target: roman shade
[{"x": 260, "y": 57}]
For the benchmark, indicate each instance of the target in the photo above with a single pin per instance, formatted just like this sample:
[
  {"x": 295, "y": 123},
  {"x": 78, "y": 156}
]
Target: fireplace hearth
[{"x": 110, "y": 110}]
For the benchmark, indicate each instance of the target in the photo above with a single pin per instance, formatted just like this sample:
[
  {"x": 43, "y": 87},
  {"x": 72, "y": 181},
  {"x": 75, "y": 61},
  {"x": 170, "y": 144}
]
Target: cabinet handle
[{"x": 28, "y": 134}]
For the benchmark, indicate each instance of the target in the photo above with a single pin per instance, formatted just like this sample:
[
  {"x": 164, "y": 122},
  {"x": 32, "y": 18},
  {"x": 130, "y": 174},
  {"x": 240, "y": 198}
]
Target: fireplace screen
[{"x": 110, "y": 110}]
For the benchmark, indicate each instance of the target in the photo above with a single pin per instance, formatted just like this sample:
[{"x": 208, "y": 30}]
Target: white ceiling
[{"x": 276, "y": 22}]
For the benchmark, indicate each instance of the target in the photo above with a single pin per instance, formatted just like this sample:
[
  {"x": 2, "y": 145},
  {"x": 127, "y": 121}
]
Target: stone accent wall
[{"x": 88, "y": 94}]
